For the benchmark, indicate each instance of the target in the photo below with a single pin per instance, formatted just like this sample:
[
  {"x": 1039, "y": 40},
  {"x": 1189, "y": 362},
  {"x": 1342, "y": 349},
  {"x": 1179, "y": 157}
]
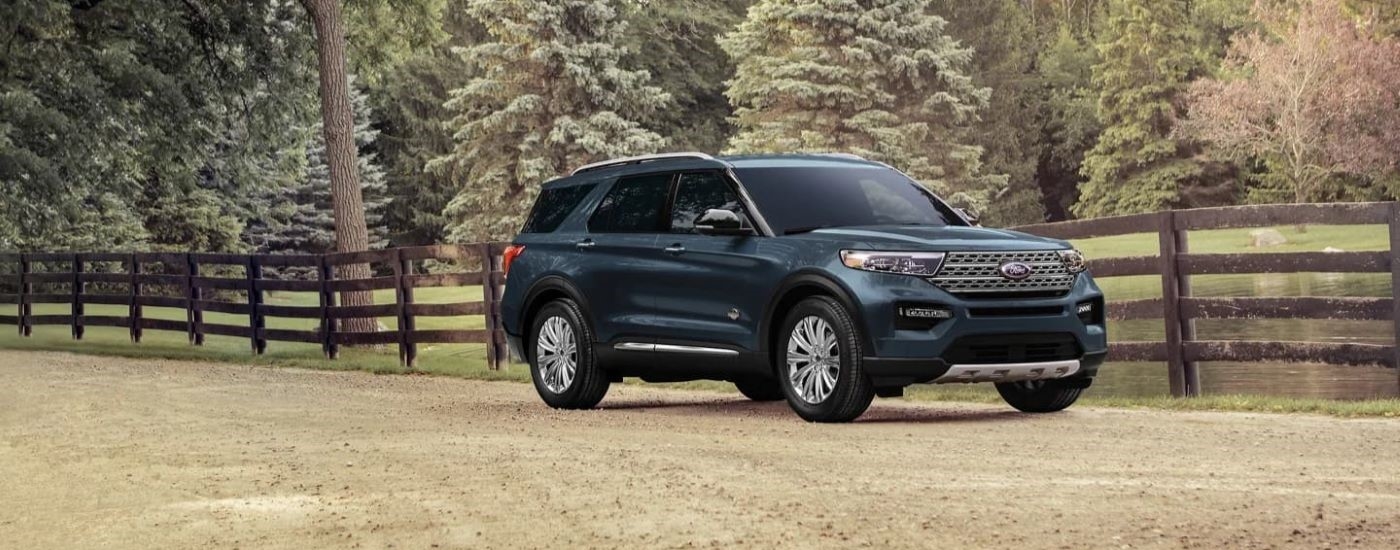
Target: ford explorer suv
[{"x": 825, "y": 280}]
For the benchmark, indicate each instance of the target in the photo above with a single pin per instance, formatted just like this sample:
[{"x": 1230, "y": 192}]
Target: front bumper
[{"x": 899, "y": 355}]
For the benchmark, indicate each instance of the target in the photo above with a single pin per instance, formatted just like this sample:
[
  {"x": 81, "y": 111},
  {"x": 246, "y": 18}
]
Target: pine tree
[
  {"x": 1004, "y": 42},
  {"x": 1145, "y": 61},
  {"x": 306, "y": 225},
  {"x": 550, "y": 94},
  {"x": 878, "y": 78}
]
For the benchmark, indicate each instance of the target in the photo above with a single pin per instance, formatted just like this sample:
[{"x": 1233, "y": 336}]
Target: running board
[
  {"x": 669, "y": 348},
  {"x": 1008, "y": 372}
]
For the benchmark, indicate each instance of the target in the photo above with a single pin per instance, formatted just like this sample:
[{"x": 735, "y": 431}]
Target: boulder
[
  {"x": 1260, "y": 238},
  {"x": 1332, "y": 249}
]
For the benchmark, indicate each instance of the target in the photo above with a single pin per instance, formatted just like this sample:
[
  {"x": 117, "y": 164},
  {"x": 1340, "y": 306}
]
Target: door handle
[
  {"x": 585, "y": 244},
  {"x": 676, "y": 249}
]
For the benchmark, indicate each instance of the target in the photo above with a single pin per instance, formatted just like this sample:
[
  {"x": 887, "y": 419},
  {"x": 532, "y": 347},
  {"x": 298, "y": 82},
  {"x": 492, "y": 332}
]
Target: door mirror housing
[
  {"x": 718, "y": 221},
  {"x": 969, "y": 216}
]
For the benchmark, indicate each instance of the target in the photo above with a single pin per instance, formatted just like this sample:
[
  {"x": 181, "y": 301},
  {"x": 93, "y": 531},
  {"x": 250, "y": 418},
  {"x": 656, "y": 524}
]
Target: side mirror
[
  {"x": 722, "y": 222},
  {"x": 969, "y": 216}
]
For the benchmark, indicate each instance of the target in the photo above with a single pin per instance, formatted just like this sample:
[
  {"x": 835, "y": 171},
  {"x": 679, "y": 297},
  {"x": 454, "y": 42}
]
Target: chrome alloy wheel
[
  {"x": 813, "y": 359},
  {"x": 556, "y": 354}
]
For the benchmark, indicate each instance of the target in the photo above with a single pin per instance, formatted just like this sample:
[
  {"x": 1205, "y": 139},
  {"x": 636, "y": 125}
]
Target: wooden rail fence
[
  {"x": 1179, "y": 309},
  {"x": 194, "y": 282}
]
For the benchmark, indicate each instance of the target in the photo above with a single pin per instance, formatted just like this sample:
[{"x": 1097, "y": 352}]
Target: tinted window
[
  {"x": 794, "y": 199},
  {"x": 698, "y": 192},
  {"x": 552, "y": 206},
  {"x": 633, "y": 205}
]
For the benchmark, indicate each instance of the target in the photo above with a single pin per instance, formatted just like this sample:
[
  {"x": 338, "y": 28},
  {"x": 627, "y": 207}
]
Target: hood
[{"x": 938, "y": 239}]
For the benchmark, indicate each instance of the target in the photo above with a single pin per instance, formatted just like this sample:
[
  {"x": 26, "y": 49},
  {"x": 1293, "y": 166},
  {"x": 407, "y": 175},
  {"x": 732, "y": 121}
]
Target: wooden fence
[
  {"x": 196, "y": 282},
  {"x": 1179, "y": 309}
]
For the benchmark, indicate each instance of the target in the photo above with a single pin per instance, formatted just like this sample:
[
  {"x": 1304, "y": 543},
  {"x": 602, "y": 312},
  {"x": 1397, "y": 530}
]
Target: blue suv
[{"x": 825, "y": 280}]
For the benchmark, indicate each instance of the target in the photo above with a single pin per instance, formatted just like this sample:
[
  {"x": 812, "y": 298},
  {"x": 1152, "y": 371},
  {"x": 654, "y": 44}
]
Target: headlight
[
  {"x": 1074, "y": 260},
  {"x": 903, "y": 263}
]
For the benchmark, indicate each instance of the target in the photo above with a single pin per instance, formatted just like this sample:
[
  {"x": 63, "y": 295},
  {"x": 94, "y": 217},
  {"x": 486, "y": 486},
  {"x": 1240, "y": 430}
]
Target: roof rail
[{"x": 641, "y": 159}]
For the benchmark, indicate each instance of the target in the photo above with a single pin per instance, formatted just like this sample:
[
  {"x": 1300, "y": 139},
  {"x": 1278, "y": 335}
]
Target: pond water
[{"x": 1300, "y": 380}]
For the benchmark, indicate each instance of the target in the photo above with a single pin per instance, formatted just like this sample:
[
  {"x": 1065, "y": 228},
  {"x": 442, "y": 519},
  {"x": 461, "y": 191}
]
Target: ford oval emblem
[{"x": 1015, "y": 271}]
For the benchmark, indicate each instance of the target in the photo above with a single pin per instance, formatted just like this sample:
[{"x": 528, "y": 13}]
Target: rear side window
[
  {"x": 634, "y": 205},
  {"x": 698, "y": 192},
  {"x": 552, "y": 206}
]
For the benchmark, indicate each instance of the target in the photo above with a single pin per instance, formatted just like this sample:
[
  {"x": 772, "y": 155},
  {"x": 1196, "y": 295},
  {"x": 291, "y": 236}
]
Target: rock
[
  {"x": 1333, "y": 249},
  {"x": 1260, "y": 238}
]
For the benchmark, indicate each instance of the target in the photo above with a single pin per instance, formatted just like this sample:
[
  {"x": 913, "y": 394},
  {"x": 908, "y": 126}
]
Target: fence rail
[
  {"x": 1179, "y": 310},
  {"x": 194, "y": 282}
]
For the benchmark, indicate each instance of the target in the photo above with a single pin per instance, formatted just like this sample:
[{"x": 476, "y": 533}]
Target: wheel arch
[
  {"x": 544, "y": 291},
  {"x": 800, "y": 286}
]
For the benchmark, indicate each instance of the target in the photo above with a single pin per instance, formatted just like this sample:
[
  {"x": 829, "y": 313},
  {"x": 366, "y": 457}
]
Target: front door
[{"x": 716, "y": 291}]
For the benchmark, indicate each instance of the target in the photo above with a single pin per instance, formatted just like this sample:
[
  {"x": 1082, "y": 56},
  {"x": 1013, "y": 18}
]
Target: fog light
[{"x": 1091, "y": 312}]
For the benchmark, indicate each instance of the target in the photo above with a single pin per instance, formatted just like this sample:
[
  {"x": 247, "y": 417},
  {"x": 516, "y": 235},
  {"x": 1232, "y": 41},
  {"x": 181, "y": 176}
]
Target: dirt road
[{"x": 137, "y": 453}]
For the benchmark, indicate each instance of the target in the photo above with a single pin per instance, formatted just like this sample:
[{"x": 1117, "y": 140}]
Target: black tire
[
  {"x": 1040, "y": 396},
  {"x": 760, "y": 389},
  {"x": 852, "y": 391},
  {"x": 590, "y": 382}
]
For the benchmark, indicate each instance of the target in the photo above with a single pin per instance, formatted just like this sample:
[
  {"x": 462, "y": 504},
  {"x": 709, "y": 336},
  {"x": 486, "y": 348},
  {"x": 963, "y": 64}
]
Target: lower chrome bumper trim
[{"x": 1008, "y": 372}]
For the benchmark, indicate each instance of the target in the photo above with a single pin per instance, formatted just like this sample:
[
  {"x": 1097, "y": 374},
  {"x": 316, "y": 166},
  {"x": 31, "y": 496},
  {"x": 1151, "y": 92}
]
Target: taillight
[{"x": 511, "y": 253}]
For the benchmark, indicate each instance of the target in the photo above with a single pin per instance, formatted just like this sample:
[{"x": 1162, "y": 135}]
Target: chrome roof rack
[{"x": 641, "y": 159}]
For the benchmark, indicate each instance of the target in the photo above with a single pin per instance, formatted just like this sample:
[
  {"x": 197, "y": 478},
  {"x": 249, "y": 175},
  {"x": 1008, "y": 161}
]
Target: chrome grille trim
[{"x": 972, "y": 273}]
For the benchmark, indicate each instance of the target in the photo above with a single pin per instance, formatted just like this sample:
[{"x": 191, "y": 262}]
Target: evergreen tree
[
  {"x": 676, "y": 42},
  {"x": 1145, "y": 59},
  {"x": 550, "y": 94},
  {"x": 302, "y": 222},
  {"x": 878, "y": 78},
  {"x": 411, "y": 119},
  {"x": 1004, "y": 41}
]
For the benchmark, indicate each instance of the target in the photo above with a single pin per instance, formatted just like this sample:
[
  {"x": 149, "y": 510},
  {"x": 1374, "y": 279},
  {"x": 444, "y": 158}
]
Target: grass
[
  {"x": 469, "y": 361},
  {"x": 1352, "y": 238}
]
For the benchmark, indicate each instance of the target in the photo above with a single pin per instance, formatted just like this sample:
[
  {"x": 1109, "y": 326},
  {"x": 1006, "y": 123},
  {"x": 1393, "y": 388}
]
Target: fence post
[
  {"x": 26, "y": 289},
  {"x": 1171, "y": 303},
  {"x": 1395, "y": 283},
  {"x": 488, "y": 297},
  {"x": 328, "y": 345},
  {"x": 194, "y": 314},
  {"x": 403, "y": 270},
  {"x": 255, "y": 301},
  {"x": 77, "y": 306},
  {"x": 134, "y": 312}
]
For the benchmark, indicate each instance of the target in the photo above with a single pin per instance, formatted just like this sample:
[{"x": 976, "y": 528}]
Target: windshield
[{"x": 798, "y": 199}]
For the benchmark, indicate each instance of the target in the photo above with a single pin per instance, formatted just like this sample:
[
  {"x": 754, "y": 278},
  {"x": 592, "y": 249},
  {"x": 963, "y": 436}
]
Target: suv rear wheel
[
  {"x": 820, "y": 370},
  {"x": 566, "y": 374},
  {"x": 1040, "y": 396}
]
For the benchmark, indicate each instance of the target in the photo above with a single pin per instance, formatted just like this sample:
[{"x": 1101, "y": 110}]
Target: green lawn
[{"x": 1352, "y": 238}]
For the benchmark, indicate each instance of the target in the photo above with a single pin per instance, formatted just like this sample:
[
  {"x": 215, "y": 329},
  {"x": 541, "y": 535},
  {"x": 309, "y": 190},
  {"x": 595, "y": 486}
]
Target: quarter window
[
  {"x": 552, "y": 206},
  {"x": 698, "y": 192},
  {"x": 634, "y": 205}
]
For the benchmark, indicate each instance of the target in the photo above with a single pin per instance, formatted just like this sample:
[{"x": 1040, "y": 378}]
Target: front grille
[
  {"x": 1012, "y": 348},
  {"x": 975, "y": 274}
]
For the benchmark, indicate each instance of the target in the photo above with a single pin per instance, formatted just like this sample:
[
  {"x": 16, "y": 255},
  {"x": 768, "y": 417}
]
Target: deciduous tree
[{"x": 1311, "y": 95}]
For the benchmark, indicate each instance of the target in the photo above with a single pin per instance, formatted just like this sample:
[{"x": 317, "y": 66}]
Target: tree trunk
[{"x": 347, "y": 202}]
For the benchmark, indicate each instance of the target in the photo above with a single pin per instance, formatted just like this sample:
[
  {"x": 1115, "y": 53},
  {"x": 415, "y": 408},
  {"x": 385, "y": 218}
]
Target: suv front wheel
[
  {"x": 562, "y": 365},
  {"x": 1040, "y": 396},
  {"x": 819, "y": 366}
]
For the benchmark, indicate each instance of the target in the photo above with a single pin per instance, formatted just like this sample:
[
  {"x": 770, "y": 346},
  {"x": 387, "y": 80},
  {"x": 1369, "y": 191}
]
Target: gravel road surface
[{"x": 126, "y": 453}]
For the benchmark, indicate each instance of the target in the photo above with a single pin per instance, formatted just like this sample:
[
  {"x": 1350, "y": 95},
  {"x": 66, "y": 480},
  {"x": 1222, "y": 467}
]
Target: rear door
[{"x": 620, "y": 256}]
